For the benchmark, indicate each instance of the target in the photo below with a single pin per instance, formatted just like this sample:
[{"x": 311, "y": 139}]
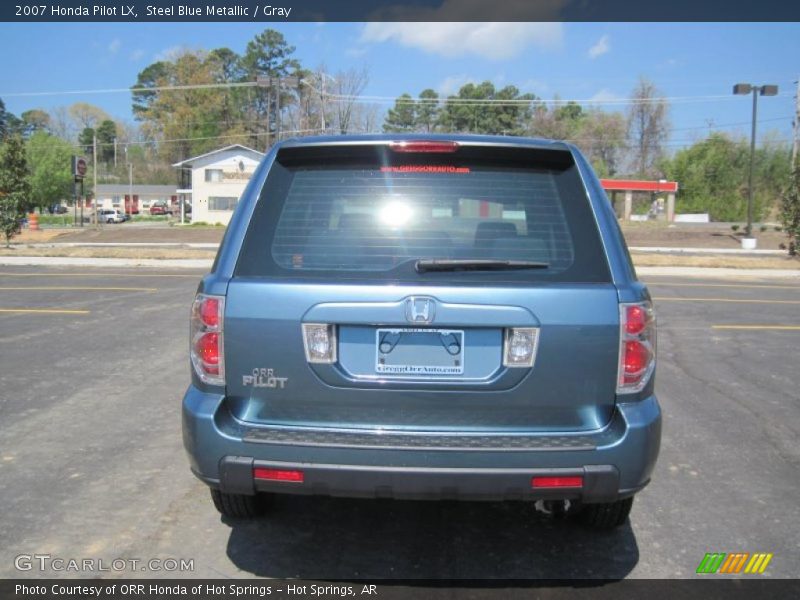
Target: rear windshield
[{"x": 375, "y": 214}]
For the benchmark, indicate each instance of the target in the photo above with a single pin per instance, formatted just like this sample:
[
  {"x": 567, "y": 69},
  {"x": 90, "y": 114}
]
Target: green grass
[
  {"x": 201, "y": 224},
  {"x": 64, "y": 220},
  {"x": 145, "y": 218}
]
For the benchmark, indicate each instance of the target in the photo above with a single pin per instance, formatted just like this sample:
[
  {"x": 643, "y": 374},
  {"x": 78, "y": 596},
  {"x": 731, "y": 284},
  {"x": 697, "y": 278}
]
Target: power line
[
  {"x": 134, "y": 90},
  {"x": 360, "y": 99}
]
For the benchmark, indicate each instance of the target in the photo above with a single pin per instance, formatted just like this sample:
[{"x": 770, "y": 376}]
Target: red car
[{"x": 160, "y": 209}]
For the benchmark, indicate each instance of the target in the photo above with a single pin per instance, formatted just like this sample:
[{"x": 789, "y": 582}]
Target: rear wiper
[{"x": 446, "y": 264}]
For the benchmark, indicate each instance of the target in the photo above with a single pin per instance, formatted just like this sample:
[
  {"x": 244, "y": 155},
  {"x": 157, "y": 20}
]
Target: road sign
[{"x": 79, "y": 167}]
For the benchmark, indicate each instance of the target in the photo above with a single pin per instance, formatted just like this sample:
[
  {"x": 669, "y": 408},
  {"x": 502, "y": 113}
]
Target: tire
[
  {"x": 238, "y": 506},
  {"x": 608, "y": 515}
]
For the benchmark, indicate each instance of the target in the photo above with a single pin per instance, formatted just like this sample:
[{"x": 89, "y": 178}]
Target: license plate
[{"x": 415, "y": 351}]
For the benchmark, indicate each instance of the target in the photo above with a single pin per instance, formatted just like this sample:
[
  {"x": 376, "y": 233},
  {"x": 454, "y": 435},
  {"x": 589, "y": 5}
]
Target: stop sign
[{"x": 79, "y": 167}]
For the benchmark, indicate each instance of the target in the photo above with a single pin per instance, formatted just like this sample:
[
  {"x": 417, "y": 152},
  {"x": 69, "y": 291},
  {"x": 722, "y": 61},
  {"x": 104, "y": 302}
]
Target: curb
[
  {"x": 201, "y": 263},
  {"x": 66, "y": 261},
  {"x": 723, "y": 272}
]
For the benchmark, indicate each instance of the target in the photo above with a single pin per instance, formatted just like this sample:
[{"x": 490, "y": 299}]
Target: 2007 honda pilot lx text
[{"x": 440, "y": 317}]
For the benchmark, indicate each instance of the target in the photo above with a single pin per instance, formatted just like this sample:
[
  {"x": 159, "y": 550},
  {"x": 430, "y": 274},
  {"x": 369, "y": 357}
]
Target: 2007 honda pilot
[{"x": 443, "y": 317}]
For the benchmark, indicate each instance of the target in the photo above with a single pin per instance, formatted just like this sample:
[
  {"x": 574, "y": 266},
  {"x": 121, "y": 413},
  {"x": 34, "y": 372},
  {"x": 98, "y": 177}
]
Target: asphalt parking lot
[{"x": 93, "y": 366}]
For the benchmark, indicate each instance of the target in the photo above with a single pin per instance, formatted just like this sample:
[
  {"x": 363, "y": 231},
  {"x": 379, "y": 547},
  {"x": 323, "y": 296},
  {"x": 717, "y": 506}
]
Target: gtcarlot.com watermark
[{"x": 59, "y": 564}]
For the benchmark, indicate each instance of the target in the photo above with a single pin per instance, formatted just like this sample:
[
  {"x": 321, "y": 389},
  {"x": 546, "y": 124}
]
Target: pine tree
[
  {"x": 14, "y": 186},
  {"x": 401, "y": 118}
]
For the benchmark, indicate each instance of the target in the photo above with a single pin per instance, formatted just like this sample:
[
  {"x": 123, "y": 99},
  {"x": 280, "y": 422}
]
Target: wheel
[
  {"x": 238, "y": 506},
  {"x": 110, "y": 221},
  {"x": 607, "y": 515}
]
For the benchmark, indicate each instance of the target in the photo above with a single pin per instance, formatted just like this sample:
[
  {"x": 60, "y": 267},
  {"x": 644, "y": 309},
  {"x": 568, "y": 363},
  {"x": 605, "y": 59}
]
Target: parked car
[
  {"x": 160, "y": 208},
  {"x": 57, "y": 209},
  {"x": 109, "y": 215},
  {"x": 451, "y": 317}
]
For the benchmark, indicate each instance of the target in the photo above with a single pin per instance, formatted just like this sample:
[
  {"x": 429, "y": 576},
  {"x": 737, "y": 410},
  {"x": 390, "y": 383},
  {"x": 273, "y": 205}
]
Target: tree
[
  {"x": 34, "y": 120},
  {"x": 602, "y": 137},
  {"x": 349, "y": 86},
  {"x": 483, "y": 109},
  {"x": 790, "y": 212},
  {"x": 713, "y": 177},
  {"x": 150, "y": 77},
  {"x": 87, "y": 115},
  {"x": 14, "y": 186},
  {"x": 648, "y": 127},
  {"x": 86, "y": 140},
  {"x": 106, "y": 134},
  {"x": 50, "y": 179},
  {"x": 427, "y": 113},
  {"x": 3, "y": 121},
  {"x": 401, "y": 118},
  {"x": 268, "y": 55}
]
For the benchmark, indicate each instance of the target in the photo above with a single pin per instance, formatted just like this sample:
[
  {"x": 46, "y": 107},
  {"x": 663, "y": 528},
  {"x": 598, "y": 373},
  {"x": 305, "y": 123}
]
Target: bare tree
[
  {"x": 62, "y": 125},
  {"x": 603, "y": 138},
  {"x": 87, "y": 115},
  {"x": 648, "y": 126},
  {"x": 349, "y": 86}
]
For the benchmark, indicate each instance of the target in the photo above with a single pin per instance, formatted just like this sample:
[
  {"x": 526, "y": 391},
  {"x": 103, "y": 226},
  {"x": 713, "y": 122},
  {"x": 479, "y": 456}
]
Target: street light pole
[
  {"x": 756, "y": 90},
  {"x": 749, "y": 229}
]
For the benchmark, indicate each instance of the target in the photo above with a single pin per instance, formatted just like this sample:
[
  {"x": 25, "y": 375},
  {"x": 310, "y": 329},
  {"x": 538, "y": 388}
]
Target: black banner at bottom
[{"x": 258, "y": 589}]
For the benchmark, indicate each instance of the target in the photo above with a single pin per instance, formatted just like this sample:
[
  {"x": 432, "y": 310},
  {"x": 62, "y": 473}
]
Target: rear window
[{"x": 372, "y": 213}]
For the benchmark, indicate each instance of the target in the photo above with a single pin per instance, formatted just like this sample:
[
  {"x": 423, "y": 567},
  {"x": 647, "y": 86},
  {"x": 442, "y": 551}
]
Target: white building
[
  {"x": 213, "y": 182},
  {"x": 133, "y": 199}
]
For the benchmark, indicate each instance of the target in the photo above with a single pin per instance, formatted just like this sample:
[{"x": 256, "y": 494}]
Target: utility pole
[
  {"x": 796, "y": 126},
  {"x": 130, "y": 187},
  {"x": 115, "y": 153},
  {"x": 94, "y": 173},
  {"x": 275, "y": 83}
]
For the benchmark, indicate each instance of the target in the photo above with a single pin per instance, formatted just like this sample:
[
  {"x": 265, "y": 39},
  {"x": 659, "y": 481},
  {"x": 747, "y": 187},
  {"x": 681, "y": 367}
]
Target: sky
[{"x": 696, "y": 64}]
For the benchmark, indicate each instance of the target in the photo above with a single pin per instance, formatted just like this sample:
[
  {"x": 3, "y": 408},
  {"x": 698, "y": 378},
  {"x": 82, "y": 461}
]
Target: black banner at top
[{"x": 278, "y": 11}]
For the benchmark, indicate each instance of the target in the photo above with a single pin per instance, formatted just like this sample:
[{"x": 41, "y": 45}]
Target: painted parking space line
[
  {"x": 725, "y": 285},
  {"x": 56, "y": 288},
  {"x": 6, "y": 274},
  {"x": 733, "y": 300},
  {"x": 759, "y": 327},
  {"x": 45, "y": 311}
]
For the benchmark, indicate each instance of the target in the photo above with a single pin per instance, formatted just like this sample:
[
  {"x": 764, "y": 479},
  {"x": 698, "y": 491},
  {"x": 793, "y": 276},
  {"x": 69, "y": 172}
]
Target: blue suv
[{"x": 426, "y": 317}]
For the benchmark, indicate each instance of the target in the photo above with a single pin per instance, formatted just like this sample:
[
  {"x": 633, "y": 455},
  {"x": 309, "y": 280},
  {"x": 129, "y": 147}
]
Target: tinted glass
[{"x": 378, "y": 217}]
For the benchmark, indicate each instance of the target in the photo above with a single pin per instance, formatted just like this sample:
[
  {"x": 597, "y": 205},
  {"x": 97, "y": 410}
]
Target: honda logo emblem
[{"x": 420, "y": 309}]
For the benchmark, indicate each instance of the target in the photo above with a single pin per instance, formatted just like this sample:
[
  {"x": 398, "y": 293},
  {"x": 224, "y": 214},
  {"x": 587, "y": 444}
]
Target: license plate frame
[{"x": 451, "y": 337}]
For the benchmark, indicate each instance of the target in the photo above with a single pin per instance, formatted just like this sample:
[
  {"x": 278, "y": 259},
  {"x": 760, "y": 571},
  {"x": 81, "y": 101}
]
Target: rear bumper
[{"x": 614, "y": 462}]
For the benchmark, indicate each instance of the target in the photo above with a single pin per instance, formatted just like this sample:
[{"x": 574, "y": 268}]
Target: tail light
[
  {"x": 637, "y": 347},
  {"x": 206, "y": 339}
]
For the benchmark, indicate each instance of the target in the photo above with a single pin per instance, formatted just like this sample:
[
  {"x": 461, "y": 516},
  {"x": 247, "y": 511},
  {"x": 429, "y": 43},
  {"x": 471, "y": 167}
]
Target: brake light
[
  {"x": 209, "y": 312},
  {"x": 206, "y": 337},
  {"x": 424, "y": 146},
  {"x": 557, "y": 482},
  {"x": 278, "y": 475},
  {"x": 637, "y": 347}
]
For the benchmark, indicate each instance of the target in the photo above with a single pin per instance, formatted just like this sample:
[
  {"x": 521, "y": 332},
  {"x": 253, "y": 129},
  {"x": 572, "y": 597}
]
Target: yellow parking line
[
  {"x": 47, "y": 311},
  {"x": 195, "y": 276},
  {"x": 725, "y": 285},
  {"x": 759, "y": 327},
  {"x": 55, "y": 288},
  {"x": 735, "y": 300}
]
